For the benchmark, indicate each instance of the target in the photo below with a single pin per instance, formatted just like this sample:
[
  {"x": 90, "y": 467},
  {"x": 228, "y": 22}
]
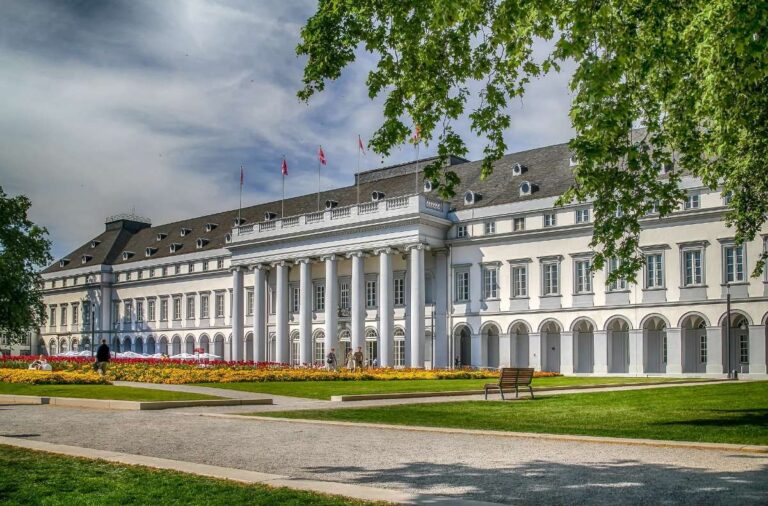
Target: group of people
[{"x": 355, "y": 360}]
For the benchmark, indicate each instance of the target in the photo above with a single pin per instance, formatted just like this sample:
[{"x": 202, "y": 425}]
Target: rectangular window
[
  {"x": 319, "y": 297},
  {"x": 115, "y": 312},
  {"x": 692, "y": 267},
  {"x": 177, "y": 308},
  {"x": 249, "y": 302},
  {"x": 490, "y": 227},
  {"x": 462, "y": 286},
  {"x": 519, "y": 281},
  {"x": 692, "y": 201},
  {"x": 319, "y": 352},
  {"x": 151, "y": 310},
  {"x": 399, "y": 352},
  {"x": 52, "y": 319},
  {"x": 583, "y": 275},
  {"x": 86, "y": 314},
  {"x": 140, "y": 274},
  {"x": 204, "y": 307},
  {"x": 205, "y": 265},
  {"x": 190, "y": 307},
  {"x": 177, "y": 269},
  {"x": 744, "y": 349},
  {"x": 127, "y": 276},
  {"x": 344, "y": 294},
  {"x": 164, "y": 271},
  {"x": 518, "y": 224},
  {"x": 75, "y": 314},
  {"x": 550, "y": 220},
  {"x": 703, "y": 348},
  {"x": 127, "y": 311},
  {"x": 370, "y": 294},
  {"x": 219, "y": 305},
  {"x": 654, "y": 270},
  {"x": 139, "y": 310},
  {"x": 63, "y": 321},
  {"x": 163, "y": 310},
  {"x": 220, "y": 263},
  {"x": 399, "y": 292},
  {"x": 734, "y": 263},
  {"x": 619, "y": 284},
  {"x": 191, "y": 267},
  {"x": 490, "y": 282},
  {"x": 295, "y": 299},
  {"x": 551, "y": 278},
  {"x": 582, "y": 216},
  {"x": 461, "y": 231}
]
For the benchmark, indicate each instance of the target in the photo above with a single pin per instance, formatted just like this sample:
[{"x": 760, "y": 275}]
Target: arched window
[
  {"x": 399, "y": 347},
  {"x": 319, "y": 347},
  {"x": 295, "y": 348},
  {"x": 345, "y": 345}
]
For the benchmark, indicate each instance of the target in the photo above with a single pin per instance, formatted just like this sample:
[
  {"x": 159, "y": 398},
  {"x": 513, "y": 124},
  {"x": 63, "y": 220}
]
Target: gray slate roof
[{"x": 546, "y": 168}]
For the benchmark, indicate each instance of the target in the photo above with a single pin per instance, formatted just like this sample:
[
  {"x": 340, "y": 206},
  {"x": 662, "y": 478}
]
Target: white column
[
  {"x": 636, "y": 355},
  {"x": 442, "y": 357},
  {"x": 534, "y": 350},
  {"x": 566, "y": 352},
  {"x": 601, "y": 352},
  {"x": 674, "y": 351},
  {"x": 259, "y": 313},
  {"x": 757, "y": 344},
  {"x": 506, "y": 350},
  {"x": 479, "y": 357},
  {"x": 386, "y": 309},
  {"x": 416, "y": 312},
  {"x": 305, "y": 311},
  {"x": 332, "y": 307},
  {"x": 358, "y": 300},
  {"x": 237, "y": 314},
  {"x": 715, "y": 350},
  {"x": 282, "y": 346}
]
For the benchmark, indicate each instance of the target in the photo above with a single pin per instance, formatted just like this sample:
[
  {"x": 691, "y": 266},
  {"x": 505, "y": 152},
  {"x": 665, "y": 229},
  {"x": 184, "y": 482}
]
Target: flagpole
[
  {"x": 239, "y": 209},
  {"x": 357, "y": 176},
  {"x": 282, "y": 202},
  {"x": 318, "y": 180}
]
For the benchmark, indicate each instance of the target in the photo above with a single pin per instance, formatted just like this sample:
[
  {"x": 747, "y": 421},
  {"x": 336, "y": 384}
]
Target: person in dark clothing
[{"x": 102, "y": 357}]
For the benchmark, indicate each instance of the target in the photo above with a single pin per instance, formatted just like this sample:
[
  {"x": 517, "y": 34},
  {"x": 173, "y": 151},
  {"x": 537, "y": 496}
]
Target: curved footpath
[{"x": 416, "y": 465}]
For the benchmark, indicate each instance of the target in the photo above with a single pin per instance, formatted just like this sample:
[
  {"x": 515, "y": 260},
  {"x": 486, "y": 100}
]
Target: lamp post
[
  {"x": 728, "y": 325},
  {"x": 93, "y": 331}
]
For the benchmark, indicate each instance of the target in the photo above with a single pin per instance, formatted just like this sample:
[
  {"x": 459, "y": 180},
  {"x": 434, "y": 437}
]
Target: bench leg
[
  {"x": 531, "y": 390},
  {"x": 516, "y": 392},
  {"x": 501, "y": 391},
  {"x": 486, "y": 393}
]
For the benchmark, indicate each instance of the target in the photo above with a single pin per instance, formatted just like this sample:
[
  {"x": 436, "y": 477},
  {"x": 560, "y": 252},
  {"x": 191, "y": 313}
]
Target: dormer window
[
  {"x": 238, "y": 222},
  {"x": 228, "y": 238},
  {"x": 63, "y": 262},
  {"x": 470, "y": 198},
  {"x": 161, "y": 236},
  {"x": 269, "y": 216},
  {"x": 127, "y": 255},
  {"x": 210, "y": 226},
  {"x": 175, "y": 247},
  {"x": 330, "y": 204},
  {"x": 201, "y": 242},
  {"x": 573, "y": 161},
  {"x": 518, "y": 169},
  {"x": 185, "y": 232},
  {"x": 148, "y": 252},
  {"x": 377, "y": 195},
  {"x": 428, "y": 186},
  {"x": 526, "y": 188},
  {"x": 85, "y": 259},
  {"x": 95, "y": 243}
]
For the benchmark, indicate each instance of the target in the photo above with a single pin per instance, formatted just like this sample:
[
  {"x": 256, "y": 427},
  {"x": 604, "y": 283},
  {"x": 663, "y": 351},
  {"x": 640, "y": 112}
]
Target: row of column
[{"x": 416, "y": 314}]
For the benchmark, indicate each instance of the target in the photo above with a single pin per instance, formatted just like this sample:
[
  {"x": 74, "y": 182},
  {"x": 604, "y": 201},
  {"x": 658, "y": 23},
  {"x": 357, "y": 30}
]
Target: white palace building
[{"x": 498, "y": 276}]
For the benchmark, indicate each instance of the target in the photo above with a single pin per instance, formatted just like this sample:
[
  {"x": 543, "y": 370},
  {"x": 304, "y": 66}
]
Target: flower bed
[
  {"x": 182, "y": 372},
  {"x": 34, "y": 377}
]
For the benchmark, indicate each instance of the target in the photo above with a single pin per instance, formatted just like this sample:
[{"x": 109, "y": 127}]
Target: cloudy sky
[{"x": 109, "y": 106}]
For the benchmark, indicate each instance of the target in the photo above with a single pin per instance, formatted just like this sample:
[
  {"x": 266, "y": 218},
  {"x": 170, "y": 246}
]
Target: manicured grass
[
  {"x": 325, "y": 389},
  {"x": 36, "y": 478},
  {"x": 722, "y": 413},
  {"x": 110, "y": 392}
]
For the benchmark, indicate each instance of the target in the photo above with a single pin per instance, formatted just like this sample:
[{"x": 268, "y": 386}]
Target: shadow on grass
[
  {"x": 742, "y": 418},
  {"x": 542, "y": 482}
]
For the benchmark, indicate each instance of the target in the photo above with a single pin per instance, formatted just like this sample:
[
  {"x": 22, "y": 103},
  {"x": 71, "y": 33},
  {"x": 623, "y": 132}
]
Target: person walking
[
  {"x": 102, "y": 357},
  {"x": 330, "y": 360},
  {"x": 350, "y": 361},
  {"x": 359, "y": 359}
]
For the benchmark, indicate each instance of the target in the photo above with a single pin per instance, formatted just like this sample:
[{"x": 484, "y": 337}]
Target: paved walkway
[{"x": 466, "y": 466}]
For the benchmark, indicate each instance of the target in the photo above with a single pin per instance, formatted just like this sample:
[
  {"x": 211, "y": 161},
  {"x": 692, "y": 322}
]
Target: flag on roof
[
  {"x": 284, "y": 167},
  {"x": 321, "y": 156}
]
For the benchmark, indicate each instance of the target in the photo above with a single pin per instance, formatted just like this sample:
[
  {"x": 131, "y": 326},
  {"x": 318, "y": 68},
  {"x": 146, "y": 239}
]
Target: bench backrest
[{"x": 511, "y": 376}]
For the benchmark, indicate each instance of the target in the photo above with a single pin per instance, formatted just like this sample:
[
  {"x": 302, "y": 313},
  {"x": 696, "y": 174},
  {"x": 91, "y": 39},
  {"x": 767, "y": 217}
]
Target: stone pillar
[
  {"x": 534, "y": 350},
  {"x": 386, "y": 309},
  {"x": 332, "y": 308},
  {"x": 757, "y": 356},
  {"x": 674, "y": 351},
  {"x": 259, "y": 313},
  {"x": 237, "y": 314},
  {"x": 442, "y": 357},
  {"x": 282, "y": 346},
  {"x": 566, "y": 352},
  {"x": 601, "y": 352},
  {"x": 715, "y": 350},
  {"x": 358, "y": 300},
  {"x": 305, "y": 311},
  {"x": 636, "y": 354},
  {"x": 506, "y": 350},
  {"x": 479, "y": 355},
  {"x": 416, "y": 311}
]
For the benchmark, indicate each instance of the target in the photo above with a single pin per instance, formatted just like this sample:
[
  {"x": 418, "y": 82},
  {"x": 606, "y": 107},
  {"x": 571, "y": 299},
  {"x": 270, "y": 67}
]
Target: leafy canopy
[
  {"x": 24, "y": 249},
  {"x": 692, "y": 73}
]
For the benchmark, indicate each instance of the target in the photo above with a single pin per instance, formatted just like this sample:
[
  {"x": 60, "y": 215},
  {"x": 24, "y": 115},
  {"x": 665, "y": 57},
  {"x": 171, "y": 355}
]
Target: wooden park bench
[{"x": 512, "y": 377}]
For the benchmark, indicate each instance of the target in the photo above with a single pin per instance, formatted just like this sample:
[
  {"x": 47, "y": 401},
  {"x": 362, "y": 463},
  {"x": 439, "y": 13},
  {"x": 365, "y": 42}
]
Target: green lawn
[
  {"x": 325, "y": 389},
  {"x": 99, "y": 392},
  {"x": 722, "y": 413},
  {"x": 36, "y": 478}
]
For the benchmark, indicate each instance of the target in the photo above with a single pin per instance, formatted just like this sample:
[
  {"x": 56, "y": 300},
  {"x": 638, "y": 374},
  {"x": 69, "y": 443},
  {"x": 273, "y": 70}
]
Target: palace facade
[{"x": 497, "y": 276}]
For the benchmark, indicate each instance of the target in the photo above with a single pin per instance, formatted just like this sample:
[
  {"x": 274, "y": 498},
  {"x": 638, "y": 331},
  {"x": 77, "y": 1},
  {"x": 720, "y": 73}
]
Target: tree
[
  {"x": 692, "y": 74},
  {"x": 24, "y": 249}
]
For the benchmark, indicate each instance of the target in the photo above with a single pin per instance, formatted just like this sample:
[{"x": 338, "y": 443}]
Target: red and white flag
[
  {"x": 417, "y": 134},
  {"x": 360, "y": 145},
  {"x": 284, "y": 167},
  {"x": 321, "y": 156}
]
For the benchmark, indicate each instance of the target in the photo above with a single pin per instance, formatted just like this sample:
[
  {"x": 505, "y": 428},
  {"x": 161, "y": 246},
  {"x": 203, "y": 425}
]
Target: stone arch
[
  {"x": 63, "y": 345},
  {"x": 490, "y": 333},
  {"x": 318, "y": 346},
  {"x": 151, "y": 345},
  {"x": 622, "y": 321},
  {"x": 218, "y": 345},
  {"x": 691, "y": 315},
  {"x": 519, "y": 335},
  {"x": 458, "y": 327},
  {"x": 189, "y": 344},
  {"x": 248, "y": 347},
  {"x": 176, "y": 345},
  {"x": 737, "y": 351},
  {"x": 138, "y": 345},
  {"x": 517, "y": 325},
  {"x": 550, "y": 330},
  {"x": 462, "y": 345},
  {"x": 550, "y": 325},
  {"x": 583, "y": 324},
  {"x": 490, "y": 325},
  {"x": 127, "y": 344},
  {"x": 53, "y": 348},
  {"x": 583, "y": 329},
  {"x": 658, "y": 317},
  {"x": 163, "y": 345},
  {"x": 205, "y": 343},
  {"x": 75, "y": 344},
  {"x": 735, "y": 313},
  {"x": 693, "y": 336},
  {"x": 617, "y": 329}
]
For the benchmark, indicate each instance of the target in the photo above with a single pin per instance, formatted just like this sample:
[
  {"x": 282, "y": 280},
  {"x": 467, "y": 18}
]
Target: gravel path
[{"x": 472, "y": 467}]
